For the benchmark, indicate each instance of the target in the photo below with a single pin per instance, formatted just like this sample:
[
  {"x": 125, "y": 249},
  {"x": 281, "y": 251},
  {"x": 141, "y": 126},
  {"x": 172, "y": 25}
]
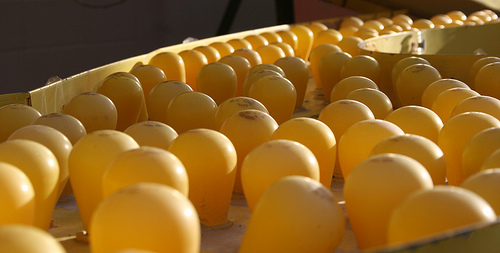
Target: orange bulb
[
  {"x": 486, "y": 104},
  {"x": 138, "y": 63},
  {"x": 160, "y": 96},
  {"x": 210, "y": 161},
  {"x": 481, "y": 15},
  {"x": 144, "y": 164},
  {"x": 238, "y": 43},
  {"x": 318, "y": 226},
  {"x": 223, "y": 48},
  {"x": 289, "y": 37},
  {"x": 241, "y": 66},
  {"x": 316, "y": 54},
  {"x": 53, "y": 139},
  {"x": 393, "y": 177},
  {"x": 478, "y": 149},
  {"x": 191, "y": 110},
  {"x": 365, "y": 34},
  {"x": 478, "y": 65},
  {"x": 402, "y": 18},
  {"x": 363, "y": 65},
  {"x": 251, "y": 55},
  {"x": 349, "y": 84},
  {"x": 349, "y": 44},
  {"x": 387, "y": 31},
  {"x": 171, "y": 64},
  {"x": 419, "y": 148},
  {"x": 87, "y": 163},
  {"x": 305, "y": 38},
  {"x": 233, "y": 105},
  {"x": 365, "y": 30},
  {"x": 218, "y": 80},
  {"x": 193, "y": 61},
  {"x": 454, "y": 136},
  {"x": 256, "y": 40},
  {"x": 329, "y": 36},
  {"x": 277, "y": 94},
  {"x": 448, "y": 99},
  {"x": 17, "y": 196},
  {"x": 254, "y": 75},
  {"x": 271, "y": 161},
  {"x": 486, "y": 80},
  {"x": 152, "y": 133},
  {"x": 297, "y": 72},
  {"x": 412, "y": 82},
  {"x": 287, "y": 49},
  {"x": 402, "y": 64},
  {"x": 394, "y": 28},
  {"x": 452, "y": 201},
  {"x": 423, "y": 23},
  {"x": 342, "y": 114},
  {"x": 149, "y": 76},
  {"x": 402, "y": 24},
  {"x": 15, "y": 116},
  {"x": 127, "y": 96},
  {"x": 94, "y": 110},
  {"x": 375, "y": 24},
  {"x": 491, "y": 13},
  {"x": 441, "y": 19},
  {"x": 166, "y": 222},
  {"x": 454, "y": 23},
  {"x": 339, "y": 116},
  {"x": 316, "y": 136},
  {"x": 316, "y": 27},
  {"x": 432, "y": 91},
  {"x": 41, "y": 167},
  {"x": 414, "y": 119},
  {"x": 485, "y": 183},
  {"x": 271, "y": 37},
  {"x": 329, "y": 68},
  {"x": 375, "y": 99},
  {"x": 385, "y": 21},
  {"x": 266, "y": 66},
  {"x": 247, "y": 129},
  {"x": 351, "y": 21},
  {"x": 270, "y": 53},
  {"x": 473, "y": 20},
  {"x": 210, "y": 52},
  {"x": 347, "y": 31},
  {"x": 65, "y": 123},
  {"x": 16, "y": 236},
  {"x": 358, "y": 141}
]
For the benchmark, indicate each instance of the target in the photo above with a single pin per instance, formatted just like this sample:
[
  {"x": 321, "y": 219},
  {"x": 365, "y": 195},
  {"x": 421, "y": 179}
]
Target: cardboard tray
[{"x": 446, "y": 49}]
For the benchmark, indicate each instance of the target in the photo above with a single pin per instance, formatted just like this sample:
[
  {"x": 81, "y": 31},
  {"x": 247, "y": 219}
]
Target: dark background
[{"x": 44, "y": 38}]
